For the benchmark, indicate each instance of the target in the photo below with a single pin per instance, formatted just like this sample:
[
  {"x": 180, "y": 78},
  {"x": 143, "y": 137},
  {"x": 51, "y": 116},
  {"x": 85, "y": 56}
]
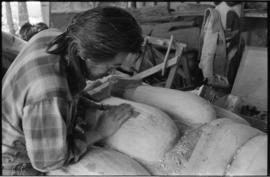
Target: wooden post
[
  {"x": 96, "y": 3},
  {"x": 173, "y": 70},
  {"x": 133, "y": 4},
  {"x": 45, "y": 12},
  {"x": 104, "y": 3},
  {"x": 9, "y": 18},
  {"x": 123, "y": 4},
  {"x": 126, "y": 5},
  {"x": 169, "y": 6},
  {"x": 23, "y": 13}
]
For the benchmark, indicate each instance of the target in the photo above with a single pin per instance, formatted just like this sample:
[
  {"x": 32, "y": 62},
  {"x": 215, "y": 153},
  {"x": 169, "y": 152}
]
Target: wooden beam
[
  {"x": 159, "y": 13},
  {"x": 169, "y": 7},
  {"x": 161, "y": 42},
  {"x": 256, "y": 14},
  {"x": 23, "y": 13},
  {"x": 155, "y": 69},
  {"x": 45, "y": 12},
  {"x": 133, "y": 4},
  {"x": 173, "y": 70},
  {"x": 9, "y": 18},
  {"x": 166, "y": 56}
]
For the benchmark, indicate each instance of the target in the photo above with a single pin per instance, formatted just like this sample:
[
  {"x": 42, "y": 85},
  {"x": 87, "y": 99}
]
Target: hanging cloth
[{"x": 213, "y": 45}]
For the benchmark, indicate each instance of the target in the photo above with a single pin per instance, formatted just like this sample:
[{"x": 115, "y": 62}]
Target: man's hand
[{"x": 112, "y": 119}]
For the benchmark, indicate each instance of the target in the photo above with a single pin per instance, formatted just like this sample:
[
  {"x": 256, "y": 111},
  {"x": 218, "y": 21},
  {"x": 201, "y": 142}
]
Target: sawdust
[{"x": 174, "y": 161}]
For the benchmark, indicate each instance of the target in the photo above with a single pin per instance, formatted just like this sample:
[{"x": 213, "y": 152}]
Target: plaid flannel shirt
[{"x": 38, "y": 106}]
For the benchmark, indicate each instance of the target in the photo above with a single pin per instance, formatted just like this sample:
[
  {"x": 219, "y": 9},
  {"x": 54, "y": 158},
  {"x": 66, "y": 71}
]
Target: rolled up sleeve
[{"x": 46, "y": 135}]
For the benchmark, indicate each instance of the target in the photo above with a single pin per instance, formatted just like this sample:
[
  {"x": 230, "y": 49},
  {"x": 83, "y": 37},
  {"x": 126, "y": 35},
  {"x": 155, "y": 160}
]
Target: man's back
[{"x": 34, "y": 77}]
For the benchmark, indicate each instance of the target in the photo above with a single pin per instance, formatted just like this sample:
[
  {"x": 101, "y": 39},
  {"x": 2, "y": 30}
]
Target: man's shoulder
[
  {"x": 53, "y": 32},
  {"x": 44, "y": 37},
  {"x": 37, "y": 45}
]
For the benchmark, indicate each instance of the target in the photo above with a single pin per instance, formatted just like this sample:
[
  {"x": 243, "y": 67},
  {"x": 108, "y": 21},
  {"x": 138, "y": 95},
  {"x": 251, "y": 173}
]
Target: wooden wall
[
  {"x": 254, "y": 28},
  {"x": 62, "y": 12}
]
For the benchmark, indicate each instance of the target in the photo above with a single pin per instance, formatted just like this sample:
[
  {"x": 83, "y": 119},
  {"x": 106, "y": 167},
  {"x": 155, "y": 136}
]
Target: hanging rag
[{"x": 213, "y": 44}]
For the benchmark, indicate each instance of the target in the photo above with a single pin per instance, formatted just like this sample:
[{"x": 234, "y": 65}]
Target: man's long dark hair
[{"x": 99, "y": 34}]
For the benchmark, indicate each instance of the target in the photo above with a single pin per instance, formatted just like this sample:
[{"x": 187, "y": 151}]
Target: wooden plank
[
  {"x": 173, "y": 70},
  {"x": 162, "y": 42},
  {"x": 155, "y": 69},
  {"x": 171, "y": 76},
  {"x": 166, "y": 56},
  {"x": 255, "y": 13},
  {"x": 173, "y": 17},
  {"x": 159, "y": 42}
]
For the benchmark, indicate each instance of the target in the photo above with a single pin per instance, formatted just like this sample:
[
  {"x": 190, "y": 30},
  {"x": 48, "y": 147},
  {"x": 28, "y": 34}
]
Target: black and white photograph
[{"x": 140, "y": 88}]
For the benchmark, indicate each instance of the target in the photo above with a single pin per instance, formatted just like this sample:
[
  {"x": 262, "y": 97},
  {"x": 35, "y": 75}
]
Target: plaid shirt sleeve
[{"x": 46, "y": 133}]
